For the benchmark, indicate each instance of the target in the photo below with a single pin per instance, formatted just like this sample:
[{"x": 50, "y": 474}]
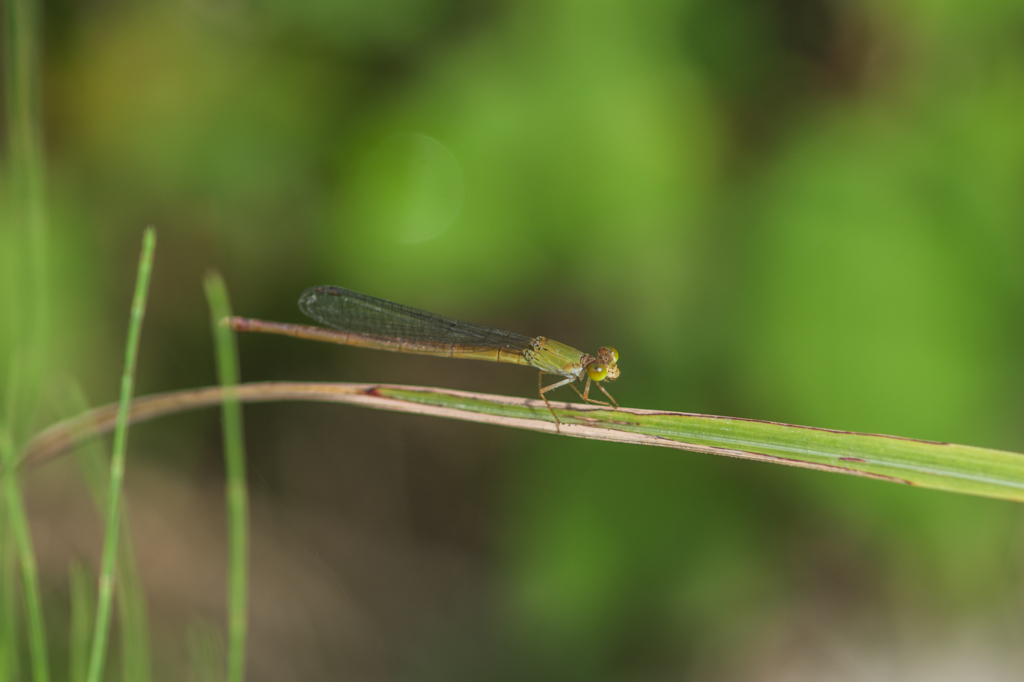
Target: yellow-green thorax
[{"x": 552, "y": 357}]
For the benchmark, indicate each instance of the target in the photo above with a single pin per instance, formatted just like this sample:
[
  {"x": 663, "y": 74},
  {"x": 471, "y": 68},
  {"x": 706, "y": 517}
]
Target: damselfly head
[{"x": 605, "y": 365}]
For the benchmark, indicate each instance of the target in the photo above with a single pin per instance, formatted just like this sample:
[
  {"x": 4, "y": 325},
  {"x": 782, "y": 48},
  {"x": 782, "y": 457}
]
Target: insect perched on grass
[{"x": 371, "y": 322}]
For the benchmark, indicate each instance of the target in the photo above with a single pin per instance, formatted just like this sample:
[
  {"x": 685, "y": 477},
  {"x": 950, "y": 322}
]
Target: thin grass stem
[
  {"x": 234, "y": 459},
  {"x": 80, "y": 585},
  {"x": 8, "y": 601},
  {"x": 94, "y": 463},
  {"x": 101, "y": 631},
  {"x": 18, "y": 524}
]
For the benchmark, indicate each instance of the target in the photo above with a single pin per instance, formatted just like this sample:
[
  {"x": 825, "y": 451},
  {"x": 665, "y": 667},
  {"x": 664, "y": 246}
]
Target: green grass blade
[
  {"x": 26, "y": 212},
  {"x": 942, "y": 466},
  {"x": 80, "y": 579},
  {"x": 8, "y": 601},
  {"x": 94, "y": 464},
  {"x": 205, "y": 648},
  {"x": 27, "y": 194},
  {"x": 9, "y": 640},
  {"x": 18, "y": 524},
  {"x": 131, "y": 602},
  {"x": 101, "y": 631},
  {"x": 237, "y": 495}
]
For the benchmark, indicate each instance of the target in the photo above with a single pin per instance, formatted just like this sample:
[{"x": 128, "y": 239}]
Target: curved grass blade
[{"x": 941, "y": 466}]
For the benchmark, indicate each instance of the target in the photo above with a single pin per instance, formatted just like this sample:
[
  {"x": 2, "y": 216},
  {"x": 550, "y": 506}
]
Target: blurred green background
[{"x": 809, "y": 211}]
